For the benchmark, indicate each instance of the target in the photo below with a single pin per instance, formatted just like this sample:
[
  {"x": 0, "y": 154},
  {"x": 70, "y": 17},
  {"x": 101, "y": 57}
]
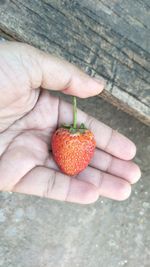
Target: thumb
[{"x": 58, "y": 74}]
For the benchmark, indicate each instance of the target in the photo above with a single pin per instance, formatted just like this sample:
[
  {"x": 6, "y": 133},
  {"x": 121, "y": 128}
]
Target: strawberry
[{"x": 73, "y": 147}]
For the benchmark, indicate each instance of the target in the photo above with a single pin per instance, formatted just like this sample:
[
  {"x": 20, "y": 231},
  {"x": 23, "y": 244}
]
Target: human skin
[{"x": 29, "y": 115}]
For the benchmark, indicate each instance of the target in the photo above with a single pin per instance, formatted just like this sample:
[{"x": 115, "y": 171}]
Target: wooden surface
[{"x": 109, "y": 38}]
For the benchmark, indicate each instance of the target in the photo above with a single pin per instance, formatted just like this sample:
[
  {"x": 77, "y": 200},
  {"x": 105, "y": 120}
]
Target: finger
[
  {"x": 109, "y": 186},
  {"x": 44, "y": 182},
  {"x": 58, "y": 74},
  {"x": 102, "y": 161},
  {"x": 127, "y": 170},
  {"x": 106, "y": 139}
]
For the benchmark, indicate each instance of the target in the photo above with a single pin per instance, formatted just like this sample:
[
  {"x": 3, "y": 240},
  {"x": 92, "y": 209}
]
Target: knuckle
[{"x": 90, "y": 122}]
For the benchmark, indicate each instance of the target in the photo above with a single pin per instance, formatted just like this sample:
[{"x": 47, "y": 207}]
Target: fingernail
[{"x": 100, "y": 80}]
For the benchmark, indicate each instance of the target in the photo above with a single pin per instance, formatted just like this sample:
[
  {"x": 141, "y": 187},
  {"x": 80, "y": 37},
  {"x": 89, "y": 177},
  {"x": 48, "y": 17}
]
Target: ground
[{"x": 39, "y": 232}]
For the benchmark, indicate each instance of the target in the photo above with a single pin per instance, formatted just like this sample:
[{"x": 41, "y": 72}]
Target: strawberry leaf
[{"x": 82, "y": 126}]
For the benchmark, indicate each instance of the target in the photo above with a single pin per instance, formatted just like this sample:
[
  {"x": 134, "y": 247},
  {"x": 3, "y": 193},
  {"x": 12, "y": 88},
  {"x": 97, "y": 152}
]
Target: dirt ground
[{"x": 37, "y": 232}]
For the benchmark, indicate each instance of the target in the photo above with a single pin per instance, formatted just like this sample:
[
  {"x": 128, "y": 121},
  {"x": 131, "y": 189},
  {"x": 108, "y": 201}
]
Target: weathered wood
[
  {"x": 104, "y": 37},
  {"x": 5, "y": 36}
]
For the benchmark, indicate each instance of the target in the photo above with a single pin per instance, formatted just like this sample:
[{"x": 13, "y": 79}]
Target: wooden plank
[
  {"x": 4, "y": 36},
  {"x": 105, "y": 38},
  {"x": 135, "y": 15}
]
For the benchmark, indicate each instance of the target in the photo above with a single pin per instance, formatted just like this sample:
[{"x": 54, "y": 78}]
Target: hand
[{"x": 28, "y": 117}]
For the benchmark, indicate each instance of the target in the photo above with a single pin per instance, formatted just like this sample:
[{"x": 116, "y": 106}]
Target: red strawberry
[{"x": 73, "y": 148}]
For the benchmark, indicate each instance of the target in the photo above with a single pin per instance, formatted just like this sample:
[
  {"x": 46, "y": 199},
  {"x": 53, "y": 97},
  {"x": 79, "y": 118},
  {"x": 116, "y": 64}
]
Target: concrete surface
[{"x": 37, "y": 232}]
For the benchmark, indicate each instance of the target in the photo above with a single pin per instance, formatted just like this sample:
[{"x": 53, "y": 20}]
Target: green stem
[{"x": 74, "y": 112}]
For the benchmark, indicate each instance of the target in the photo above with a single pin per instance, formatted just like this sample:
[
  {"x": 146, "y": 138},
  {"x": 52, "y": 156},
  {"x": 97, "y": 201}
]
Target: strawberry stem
[{"x": 74, "y": 112}]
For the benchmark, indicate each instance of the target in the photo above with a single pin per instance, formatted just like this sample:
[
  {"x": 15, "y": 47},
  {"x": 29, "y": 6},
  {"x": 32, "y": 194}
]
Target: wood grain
[{"x": 105, "y": 38}]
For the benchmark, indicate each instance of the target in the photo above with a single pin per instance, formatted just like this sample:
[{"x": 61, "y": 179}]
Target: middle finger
[{"x": 127, "y": 170}]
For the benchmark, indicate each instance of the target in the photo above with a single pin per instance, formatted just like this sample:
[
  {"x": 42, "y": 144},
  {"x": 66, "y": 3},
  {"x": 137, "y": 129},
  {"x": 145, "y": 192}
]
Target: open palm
[{"x": 28, "y": 117}]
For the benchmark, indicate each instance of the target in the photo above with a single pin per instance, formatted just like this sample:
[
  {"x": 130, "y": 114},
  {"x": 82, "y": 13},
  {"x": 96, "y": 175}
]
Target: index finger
[
  {"x": 58, "y": 74},
  {"x": 106, "y": 138}
]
